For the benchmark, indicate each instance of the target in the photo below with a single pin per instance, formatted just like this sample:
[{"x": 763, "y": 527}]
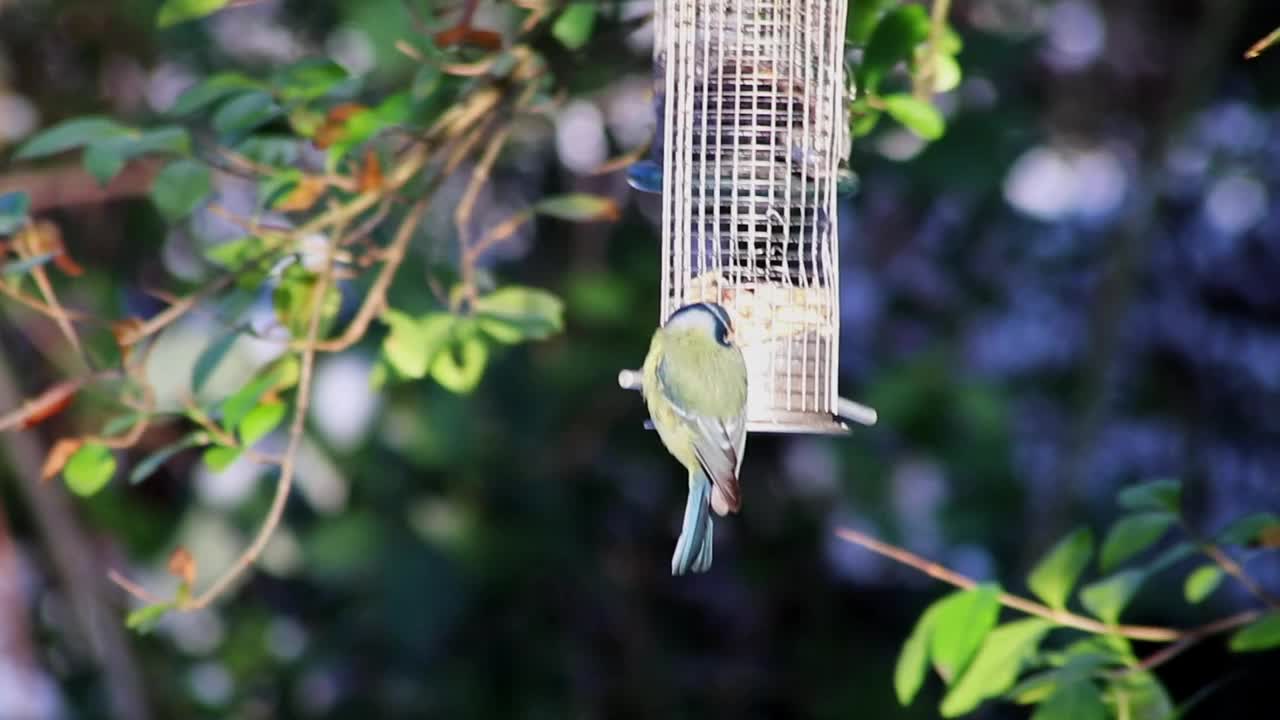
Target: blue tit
[
  {"x": 645, "y": 176},
  {"x": 695, "y": 386}
]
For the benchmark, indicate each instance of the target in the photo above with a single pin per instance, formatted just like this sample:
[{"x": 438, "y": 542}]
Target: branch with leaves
[
  {"x": 1098, "y": 675},
  {"x": 458, "y": 112}
]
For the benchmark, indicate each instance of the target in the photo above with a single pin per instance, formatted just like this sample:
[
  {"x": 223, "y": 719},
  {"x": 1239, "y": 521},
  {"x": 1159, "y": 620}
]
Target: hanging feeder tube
[{"x": 752, "y": 138}]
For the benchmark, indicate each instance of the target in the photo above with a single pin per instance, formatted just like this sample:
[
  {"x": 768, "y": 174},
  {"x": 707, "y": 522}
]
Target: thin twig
[
  {"x": 37, "y": 305},
  {"x": 377, "y": 295},
  {"x": 59, "y": 314},
  {"x": 289, "y": 462},
  {"x": 1192, "y": 637},
  {"x": 925, "y": 80},
  {"x": 132, "y": 588},
  {"x": 1061, "y": 617},
  {"x": 1232, "y": 568},
  {"x": 462, "y": 214}
]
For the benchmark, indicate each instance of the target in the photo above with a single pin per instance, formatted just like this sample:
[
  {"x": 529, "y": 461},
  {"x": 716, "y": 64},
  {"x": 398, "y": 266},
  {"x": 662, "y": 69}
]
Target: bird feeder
[{"x": 752, "y": 135}]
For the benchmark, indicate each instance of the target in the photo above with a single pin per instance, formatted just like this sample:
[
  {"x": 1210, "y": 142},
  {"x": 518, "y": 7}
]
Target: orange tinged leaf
[
  {"x": 48, "y": 239},
  {"x": 47, "y": 404},
  {"x": 344, "y": 112},
  {"x": 304, "y": 196},
  {"x": 370, "y": 172},
  {"x": 335, "y": 124},
  {"x": 127, "y": 331},
  {"x": 66, "y": 264},
  {"x": 452, "y": 36},
  {"x": 182, "y": 565},
  {"x": 58, "y": 456}
]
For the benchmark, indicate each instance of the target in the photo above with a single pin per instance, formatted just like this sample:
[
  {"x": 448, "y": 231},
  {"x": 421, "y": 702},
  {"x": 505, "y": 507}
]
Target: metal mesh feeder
[{"x": 752, "y": 135}]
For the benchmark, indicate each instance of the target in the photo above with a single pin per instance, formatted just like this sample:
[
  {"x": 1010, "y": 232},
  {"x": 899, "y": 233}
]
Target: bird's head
[{"x": 703, "y": 317}]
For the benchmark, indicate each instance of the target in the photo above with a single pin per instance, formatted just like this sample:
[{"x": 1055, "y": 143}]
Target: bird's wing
[{"x": 717, "y": 442}]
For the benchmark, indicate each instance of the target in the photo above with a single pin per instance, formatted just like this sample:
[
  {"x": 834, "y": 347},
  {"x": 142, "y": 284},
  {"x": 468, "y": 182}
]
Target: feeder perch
[{"x": 752, "y": 137}]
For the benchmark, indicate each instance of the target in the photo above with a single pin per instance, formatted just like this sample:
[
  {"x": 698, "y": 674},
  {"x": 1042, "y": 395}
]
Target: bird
[{"x": 695, "y": 387}]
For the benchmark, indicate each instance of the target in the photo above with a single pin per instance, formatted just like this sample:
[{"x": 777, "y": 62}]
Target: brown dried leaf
[
  {"x": 370, "y": 172},
  {"x": 182, "y": 565},
  {"x": 58, "y": 456},
  {"x": 44, "y": 406}
]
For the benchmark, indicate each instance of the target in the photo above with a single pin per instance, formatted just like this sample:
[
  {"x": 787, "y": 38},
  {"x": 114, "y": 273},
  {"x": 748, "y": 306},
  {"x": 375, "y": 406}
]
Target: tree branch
[
  {"x": 1061, "y": 617},
  {"x": 289, "y": 463}
]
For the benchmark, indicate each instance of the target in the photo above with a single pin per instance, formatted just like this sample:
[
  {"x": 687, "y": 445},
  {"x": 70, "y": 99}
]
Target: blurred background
[{"x": 1075, "y": 289}]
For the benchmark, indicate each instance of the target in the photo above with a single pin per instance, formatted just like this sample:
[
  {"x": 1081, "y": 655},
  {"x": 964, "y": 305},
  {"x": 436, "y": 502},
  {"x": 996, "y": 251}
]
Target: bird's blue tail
[{"x": 693, "y": 549}]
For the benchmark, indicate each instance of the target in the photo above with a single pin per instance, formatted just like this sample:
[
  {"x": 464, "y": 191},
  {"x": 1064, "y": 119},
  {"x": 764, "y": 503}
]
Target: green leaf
[
  {"x": 245, "y": 112},
  {"x": 1201, "y": 583},
  {"x": 236, "y": 254},
  {"x": 212, "y": 356},
  {"x": 917, "y": 115},
  {"x": 180, "y": 188},
  {"x": 578, "y": 207},
  {"x": 294, "y": 301},
  {"x": 70, "y": 135},
  {"x": 865, "y": 121},
  {"x": 260, "y": 421},
  {"x": 913, "y": 660},
  {"x": 1107, "y": 597},
  {"x": 1076, "y": 701},
  {"x": 1056, "y": 574},
  {"x": 220, "y": 457},
  {"x": 1261, "y": 634},
  {"x": 946, "y": 74},
  {"x": 573, "y": 27},
  {"x": 514, "y": 314},
  {"x": 996, "y": 666},
  {"x": 1168, "y": 558},
  {"x": 211, "y": 90},
  {"x": 1131, "y": 535},
  {"x": 14, "y": 208},
  {"x": 103, "y": 160},
  {"x": 26, "y": 265},
  {"x": 152, "y": 462},
  {"x": 271, "y": 150},
  {"x": 144, "y": 619},
  {"x": 894, "y": 41},
  {"x": 1082, "y": 662},
  {"x": 121, "y": 424},
  {"x": 864, "y": 16},
  {"x": 176, "y": 11},
  {"x": 963, "y": 621},
  {"x": 425, "y": 82},
  {"x": 238, "y": 406},
  {"x": 366, "y": 124},
  {"x": 1155, "y": 495},
  {"x": 1139, "y": 696},
  {"x": 171, "y": 139},
  {"x": 1250, "y": 529},
  {"x": 413, "y": 343},
  {"x": 89, "y": 469},
  {"x": 274, "y": 188},
  {"x": 459, "y": 367},
  {"x": 310, "y": 79}
]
